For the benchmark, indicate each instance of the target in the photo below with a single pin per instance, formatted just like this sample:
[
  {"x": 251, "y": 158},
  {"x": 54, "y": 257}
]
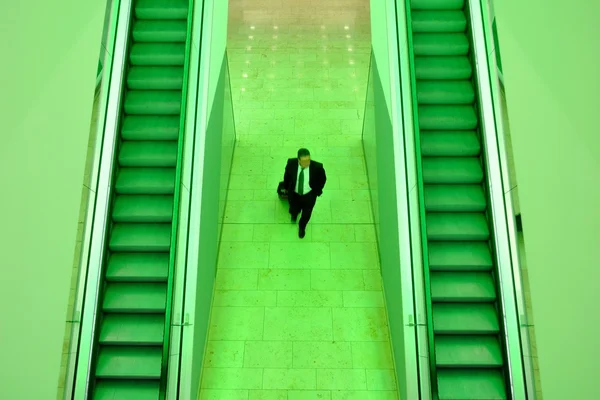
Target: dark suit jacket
[{"x": 317, "y": 177}]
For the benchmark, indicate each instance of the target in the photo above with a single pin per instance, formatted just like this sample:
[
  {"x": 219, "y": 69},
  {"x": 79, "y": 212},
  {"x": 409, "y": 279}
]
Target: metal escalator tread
[
  {"x": 464, "y": 287},
  {"x": 136, "y": 329},
  {"x": 458, "y": 227},
  {"x": 445, "y": 92},
  {"x": 471, "y": 384},
  {"x": 466, "y": 326},
  {"x": 149, "y": 238},
  {"x": 442, "y": 117},
  {"x": 440, "y": 44},
  {"x": 450, "y": 144},
  {"x": 153, "y": 102},
  {"x": 123, "y": 297},
  {"x": 143, "y": 208},
  {"x": 160, "y": 31},
  {"x": 454, "y": 198},
  {"x": 148, "y": 154},
  {"x": 129, "y": 362},
  {"x": 460, "y": 256},
  {"x": 138, "y": 267},
  {"x": 468, "y": 351},
  {"x": 155, "y": 78},
  {"x": 443, "y": 68},
  {"x": 161, "y": 9},
  {"x": 145, "y": 181},
  {"x": 465, "y": 318},
  {"x": 115, "y": 389},
  {"x": 129, "y": 351},
  {"x": 439, "y": 21},
  {"x": 149, "y": 128},
  {"x": 452, "y": 170},
  {"x": 157, "y": 54},
  {"x": 437, "y": 4}
]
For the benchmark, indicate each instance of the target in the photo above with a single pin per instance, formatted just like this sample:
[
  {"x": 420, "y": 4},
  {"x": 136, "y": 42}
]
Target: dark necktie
[{"x": 301, "y": 182}]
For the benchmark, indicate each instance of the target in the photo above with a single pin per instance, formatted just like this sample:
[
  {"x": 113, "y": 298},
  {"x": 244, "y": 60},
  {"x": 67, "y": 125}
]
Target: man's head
[{"x": 304, "y": 157}]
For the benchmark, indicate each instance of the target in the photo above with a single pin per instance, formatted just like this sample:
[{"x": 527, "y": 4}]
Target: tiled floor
[{"x": 298, "y": 319}]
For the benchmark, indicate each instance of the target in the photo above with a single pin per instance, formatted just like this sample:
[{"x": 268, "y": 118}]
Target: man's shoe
[
  {"x": 301, "y": 233},
  {"x": 294, "y": 218}
]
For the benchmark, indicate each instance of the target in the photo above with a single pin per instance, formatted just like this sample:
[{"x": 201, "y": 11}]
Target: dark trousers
[{"x": 302, "y": 203}]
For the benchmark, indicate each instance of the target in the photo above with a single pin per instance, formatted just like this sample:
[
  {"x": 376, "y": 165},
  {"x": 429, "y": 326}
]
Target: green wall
[
  {"x": 47, "y": 91},
  {"x": 218, "y": 153},
  {"x": 379, "y": 155},
  {"x": 379, "y": 158},
  {"x": 550, "y": 58}
]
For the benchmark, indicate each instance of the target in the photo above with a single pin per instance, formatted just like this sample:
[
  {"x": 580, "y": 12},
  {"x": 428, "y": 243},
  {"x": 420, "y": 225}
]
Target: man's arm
[
  {"x": 287, "y": 178},
  {"x": 323, "y": 179}
]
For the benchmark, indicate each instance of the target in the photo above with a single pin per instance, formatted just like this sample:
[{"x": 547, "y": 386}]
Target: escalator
[
  {"x": 468, "y": 360},
  {"x": 131, "y": 343}
]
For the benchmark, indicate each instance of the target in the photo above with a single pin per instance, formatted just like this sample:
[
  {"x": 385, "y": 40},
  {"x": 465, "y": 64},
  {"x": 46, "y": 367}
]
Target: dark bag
[{"x": 281, "y": 191}]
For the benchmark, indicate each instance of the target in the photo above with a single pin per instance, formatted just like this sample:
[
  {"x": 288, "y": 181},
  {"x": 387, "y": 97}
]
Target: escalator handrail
[
  {"x": 507, "y": 262},
  {"x": 176, "y": 202},
  {"x": 101, "y": 216},
  {"x": 421, "y": 191}
]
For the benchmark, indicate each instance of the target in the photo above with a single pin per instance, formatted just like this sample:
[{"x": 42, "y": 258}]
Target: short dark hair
[{"x": 303, "y": 153}]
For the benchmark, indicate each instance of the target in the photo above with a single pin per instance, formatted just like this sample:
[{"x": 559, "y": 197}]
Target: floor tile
[{"x": 298, "y": 319}]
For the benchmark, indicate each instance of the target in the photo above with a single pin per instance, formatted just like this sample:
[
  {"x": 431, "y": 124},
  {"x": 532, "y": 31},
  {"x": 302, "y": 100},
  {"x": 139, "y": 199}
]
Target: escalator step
[
  {"x": 439, "y": 21},
  {"x": 457, "y": 227},
  {"x": 465, "y": 384},
  {"x": 442, "y": 68},
  {"x": 160, "y": 31},
  {"x": 437, "y": 4},
  {"x": 461, "y": 319},
  {"x": 468, "y": 351},
  {"x": 450, "y": 144},
  {"x": 161, "y": 9},
  {"x": 440, "y": 44},
  {"x": 157, "y": 54},
  {"x": 150, "y": 128},
  {"x": 153, "y": 102},
  {"x": 115, "y": 389},
  {"x": 452, "y": 170},
  {"x": 457, "y": 256},
  {"x": 140, "y": 267},
  {"x": 124, "y": 362},
  {"x": 462, "y": 287},
  {"x": 148, "y": 154},
  {"x": 445, "y": 92},
  {"x": 136, "y": 329},
  {"x": 454, "y": 198},
  {"x": 135, "y": 297},
  {"x": 143, "y": 208},
  {"x": 155, "y": 78},
  {"x": 145, "y": 181},
  {"x": 148, "y": 238},
  {"x": 447, "y": 118}
]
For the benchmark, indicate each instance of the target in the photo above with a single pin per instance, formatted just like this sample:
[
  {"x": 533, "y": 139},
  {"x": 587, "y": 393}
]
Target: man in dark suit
[{"x": 303, "y": 182}]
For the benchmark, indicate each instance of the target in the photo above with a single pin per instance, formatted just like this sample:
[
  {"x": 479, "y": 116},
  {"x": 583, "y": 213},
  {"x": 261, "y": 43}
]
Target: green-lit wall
[
  {"x": 379, "y": 157},
  {"x": 47, "y": 80},
  {"x": 550, "y": 57},
  {"x": 218, "y": 153}
]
